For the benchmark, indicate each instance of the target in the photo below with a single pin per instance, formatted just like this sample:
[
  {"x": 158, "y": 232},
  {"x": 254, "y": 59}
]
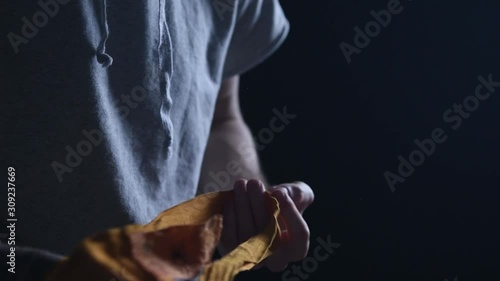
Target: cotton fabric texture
[{"x": 109, "y": 104}]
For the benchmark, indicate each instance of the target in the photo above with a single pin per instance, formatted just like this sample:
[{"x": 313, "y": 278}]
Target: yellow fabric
[{"x": 177, "y": 244}]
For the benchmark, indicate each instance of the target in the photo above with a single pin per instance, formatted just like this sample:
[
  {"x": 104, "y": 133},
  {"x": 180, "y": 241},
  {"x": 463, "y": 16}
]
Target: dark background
[{"x": 355, "y": 119}]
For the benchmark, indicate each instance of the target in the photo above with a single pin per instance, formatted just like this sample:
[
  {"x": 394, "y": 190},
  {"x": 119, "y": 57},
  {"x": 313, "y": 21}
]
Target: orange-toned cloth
[{"x": 177, "y": 244}]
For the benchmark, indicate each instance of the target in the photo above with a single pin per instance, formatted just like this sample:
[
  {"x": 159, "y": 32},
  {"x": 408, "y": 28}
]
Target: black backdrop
[{"x": 355, "y": 119}]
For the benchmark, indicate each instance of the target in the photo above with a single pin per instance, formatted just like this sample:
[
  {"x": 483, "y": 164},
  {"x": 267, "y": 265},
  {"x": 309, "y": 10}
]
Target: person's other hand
[{"x": 246, "y": 215}]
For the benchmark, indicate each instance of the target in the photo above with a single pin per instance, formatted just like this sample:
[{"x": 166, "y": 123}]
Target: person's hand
[{"x": 246, "y": 215}]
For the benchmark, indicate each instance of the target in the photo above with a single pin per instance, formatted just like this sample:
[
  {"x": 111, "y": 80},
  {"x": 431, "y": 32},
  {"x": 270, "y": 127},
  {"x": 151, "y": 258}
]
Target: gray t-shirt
[{"x": 109, "y": 104}]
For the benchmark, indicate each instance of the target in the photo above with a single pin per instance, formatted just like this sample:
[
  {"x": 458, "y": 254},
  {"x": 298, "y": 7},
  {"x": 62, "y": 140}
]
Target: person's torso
[{"x": 95, "y": 146}]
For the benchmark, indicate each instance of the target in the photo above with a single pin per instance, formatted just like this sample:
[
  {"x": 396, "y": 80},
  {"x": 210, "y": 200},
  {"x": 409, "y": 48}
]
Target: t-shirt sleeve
[{"x": 261, "y": 27}]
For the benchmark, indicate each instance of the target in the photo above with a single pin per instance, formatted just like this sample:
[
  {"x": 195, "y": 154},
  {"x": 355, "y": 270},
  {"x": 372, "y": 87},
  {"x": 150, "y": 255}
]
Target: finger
[
  {"x": 274, "y": 265},
  {"x": 230, "y": 231},
  {"x": 244, "y": 217},
  {"x": 256, "y": 190},
  {"x": 301, "y": 194},
  {"x": 296, "y": 245}
]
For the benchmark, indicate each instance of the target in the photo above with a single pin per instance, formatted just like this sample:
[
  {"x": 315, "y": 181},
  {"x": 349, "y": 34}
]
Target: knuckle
[
  {"x": 302, "y": 185},
  {"x": 304, "y": 254},
  {"x": 300, "y": 255},
  {"x": 312, "y": 197},
  {"x": 303, "y": 234},
  {"x": 254, "y": 182},
  {"x": 277, "y": 267}
]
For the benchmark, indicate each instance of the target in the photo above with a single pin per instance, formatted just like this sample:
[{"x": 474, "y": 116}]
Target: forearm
[{"x": 230, "y": 155}]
